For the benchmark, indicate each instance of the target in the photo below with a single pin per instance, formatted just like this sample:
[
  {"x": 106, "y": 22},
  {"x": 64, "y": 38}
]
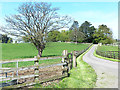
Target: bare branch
[{"x": 35, "y": 20}]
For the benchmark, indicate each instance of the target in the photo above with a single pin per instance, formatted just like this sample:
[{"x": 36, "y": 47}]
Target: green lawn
[
  {"x": 107, "y": 48},
  {"x": 15, "y": 51},
  {"x": 31, "y": 63},
  {"x": 27, "y": 50}
]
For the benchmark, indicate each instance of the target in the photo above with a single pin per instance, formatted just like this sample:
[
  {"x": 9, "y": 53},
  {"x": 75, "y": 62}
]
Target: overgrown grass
[
  {"x": 83, "y": 76},
  {"x": 28, "y": 50},
  {"x": 31, "y": 63}
]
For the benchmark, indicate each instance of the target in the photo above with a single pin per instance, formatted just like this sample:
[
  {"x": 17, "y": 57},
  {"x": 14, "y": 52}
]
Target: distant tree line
[
  {"x": 5, "y": 39},
  {"x": 85, "y": 33}
]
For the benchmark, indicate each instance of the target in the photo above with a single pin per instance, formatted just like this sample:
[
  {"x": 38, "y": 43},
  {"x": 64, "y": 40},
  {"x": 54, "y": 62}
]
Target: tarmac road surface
[{"x": 107, "y": 71}]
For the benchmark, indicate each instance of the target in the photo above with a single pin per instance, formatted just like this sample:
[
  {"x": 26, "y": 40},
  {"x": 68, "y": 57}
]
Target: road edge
[{"x": 81, "y": 58}]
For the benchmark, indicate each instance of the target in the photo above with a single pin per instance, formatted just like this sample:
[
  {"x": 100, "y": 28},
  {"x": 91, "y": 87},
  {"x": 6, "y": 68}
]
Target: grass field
[
  {"x": 15, "y": 51},
  {"x": 107, "y": 48},
  {"x": 27, "y": 50}
]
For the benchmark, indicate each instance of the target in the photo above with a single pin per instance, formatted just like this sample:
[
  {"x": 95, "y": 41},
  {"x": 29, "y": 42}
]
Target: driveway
[{"x": 107, "y": 71}]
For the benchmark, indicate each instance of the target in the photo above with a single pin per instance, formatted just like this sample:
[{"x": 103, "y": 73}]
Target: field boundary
[
  {"x": 108, "y": 54},
  {"x": 31, "y": 59},
  {"x": 68, "y": 61},
  {"x": 96, "y": 55}
]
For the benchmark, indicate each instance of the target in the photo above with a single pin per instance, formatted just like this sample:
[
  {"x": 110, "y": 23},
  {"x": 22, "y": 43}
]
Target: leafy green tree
[
  {"x": 53, "y": 36},
  {"x": 0, "y": 38},
  {"x": 77, "y": 36},
  {"x": 5, "y": 38},
  {"x": 103, "y": 35},
  {"x": 15, "y": 41},
  {"x": 10, "y": 40},
  {"x": 64, "y": 36},
  {"x": 74, "y": 25},
  {"x": 88, "y": 30}
]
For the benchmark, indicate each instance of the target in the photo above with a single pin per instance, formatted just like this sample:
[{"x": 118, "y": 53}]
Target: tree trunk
[{"x": 40, "y": 52}]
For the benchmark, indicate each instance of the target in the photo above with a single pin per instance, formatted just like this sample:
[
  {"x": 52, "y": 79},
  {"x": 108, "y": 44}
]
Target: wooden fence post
[
  {"x": 71, "y": 60},
  {"x": 64, "y": 54},
  {"x": 65, "y": 67},
  {"x": 111, "y": 54},
  {"x": 114, "y": 55},
  {"x": 74, "y": 58},
  {"x": 17, "y": 70},
  {"x": 105, "y": 54},
  {"x": 36, "y": 70},
  {"x": 118, "y": 55},
  {"x": 6, "y": 76}
]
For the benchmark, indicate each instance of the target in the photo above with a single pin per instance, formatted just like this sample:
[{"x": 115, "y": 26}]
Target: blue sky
[{"x": 95, "y": 12}]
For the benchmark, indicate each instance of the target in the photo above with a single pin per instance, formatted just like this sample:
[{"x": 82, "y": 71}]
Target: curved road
[{"x": 107, "y": 71}]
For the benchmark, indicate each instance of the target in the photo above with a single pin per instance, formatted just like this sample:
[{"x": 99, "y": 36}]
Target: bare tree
[{"x": 34, "y": 21}]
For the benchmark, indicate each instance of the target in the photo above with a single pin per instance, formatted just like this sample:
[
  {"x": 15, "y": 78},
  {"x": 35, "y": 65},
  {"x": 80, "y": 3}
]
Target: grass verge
[
  {"x": 83, "y": 76},
  {"x": 115, "y": 60}
]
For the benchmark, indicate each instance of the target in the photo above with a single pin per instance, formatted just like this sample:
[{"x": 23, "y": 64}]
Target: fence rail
[
  {"x": 108, "y": 54},
  {"x": 32, "y": 59},
  {"x": 20, "y": 77}
]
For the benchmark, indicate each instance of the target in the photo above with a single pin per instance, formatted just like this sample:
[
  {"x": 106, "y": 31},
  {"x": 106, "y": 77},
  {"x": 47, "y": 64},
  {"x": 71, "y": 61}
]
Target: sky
[{"x": 97, "y": 13}]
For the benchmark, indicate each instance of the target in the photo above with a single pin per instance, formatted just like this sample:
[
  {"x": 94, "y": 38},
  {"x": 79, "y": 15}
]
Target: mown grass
[
  {"x": 107, "y": 48},
  {"x": 31, "y": 63},
  {"x": 83, "y": 76},
  {"x": 28, "y": 50},
  {"x": 56, "y": 48},
  {"x": 15, "y": 51}
]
